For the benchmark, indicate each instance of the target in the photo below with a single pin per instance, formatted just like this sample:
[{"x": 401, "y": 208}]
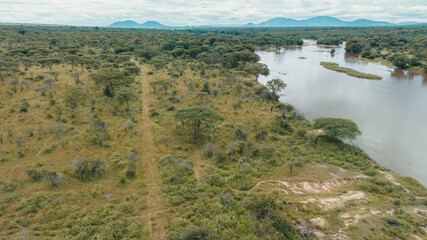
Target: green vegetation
[
  {"x": 195, "y": 116},
  {"x": 351, "y": 72},
  {"x": 89, "y": 151},
  {"x": 337, "y": 128}
]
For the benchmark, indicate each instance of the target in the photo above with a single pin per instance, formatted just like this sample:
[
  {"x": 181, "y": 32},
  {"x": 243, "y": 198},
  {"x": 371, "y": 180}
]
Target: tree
[
  {"x": 149, "y": 52},
  {"x": 257, "y": 69},
  {"x": 276, "y": 85},
  {"x": 72, "y": 59},
  {"x": 49, "y": 62},
  {"x": 196, "y": 116},
  {"x": 125, "y": 94},
  {"x": 337, "y": 128},
  {"x": 74, "y": 96},
  {"x": 163, "y": 83},
  {"x": 76, "y": 77},
  {"x": 354, "y": 46},
  {"x": 84, "y": 61},
  {"x": 110, "y": 78}
]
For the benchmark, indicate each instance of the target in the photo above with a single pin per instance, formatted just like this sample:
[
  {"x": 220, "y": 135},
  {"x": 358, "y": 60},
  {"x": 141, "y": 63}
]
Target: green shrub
[
  {"x": 85, "y": 169},
  {"x": 178, "y": 179},
  {"x": 261, "y": 135}
]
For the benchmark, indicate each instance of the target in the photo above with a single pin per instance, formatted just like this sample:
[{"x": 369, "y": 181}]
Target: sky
[{"x": 205, "y": 12}]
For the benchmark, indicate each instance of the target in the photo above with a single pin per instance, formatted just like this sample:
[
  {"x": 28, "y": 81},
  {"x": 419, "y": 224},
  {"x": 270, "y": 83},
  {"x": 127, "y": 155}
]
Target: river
[{"x": 391, "y": 113}]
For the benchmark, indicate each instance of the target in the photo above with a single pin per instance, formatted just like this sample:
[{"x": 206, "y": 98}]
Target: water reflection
[{"x": 391, "y": 113}]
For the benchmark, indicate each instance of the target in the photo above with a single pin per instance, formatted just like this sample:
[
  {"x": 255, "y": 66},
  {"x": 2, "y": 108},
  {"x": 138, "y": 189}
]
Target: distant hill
[
  {"x": 321, "y": 21},
  {"x": 133, "y": 24},
  {"x": 411, "y": 24}
]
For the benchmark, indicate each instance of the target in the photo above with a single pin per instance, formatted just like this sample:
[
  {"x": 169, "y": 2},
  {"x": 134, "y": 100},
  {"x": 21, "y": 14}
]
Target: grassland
[
  {"x": 351, "y": 72},
  {"x": 76, "y": 163}
]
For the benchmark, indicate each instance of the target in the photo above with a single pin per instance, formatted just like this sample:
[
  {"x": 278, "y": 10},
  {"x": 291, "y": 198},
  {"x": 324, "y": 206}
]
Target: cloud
[{"x": 203, "y": 12}]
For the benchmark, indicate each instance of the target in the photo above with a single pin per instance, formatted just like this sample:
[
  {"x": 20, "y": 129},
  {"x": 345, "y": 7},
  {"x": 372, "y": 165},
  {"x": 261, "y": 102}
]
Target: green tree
[
  {"x": 337, "y": 128},
  {"x": 72, "y": 59},
  {"x": 276, "y": 85},
  {"x": 74, "y": 96},
  {"x": 197, "y": 116},
  {"x": 257, "y": 69},
  {"x": 49, "y": 62},
  {"x": 163, "y": 83},
  {"x": 84, "y": 61},
  {"x": 110, "y": 78},
  {"x": 354, "y": 46},
  {"x": 125, "y": 94}
]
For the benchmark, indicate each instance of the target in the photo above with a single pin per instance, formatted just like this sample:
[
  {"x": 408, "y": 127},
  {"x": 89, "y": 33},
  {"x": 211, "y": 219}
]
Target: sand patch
[
  {"x": 319, "y": 221},
  {"x": 331, "y": 203},
  {"x": 310, "y": 187}
]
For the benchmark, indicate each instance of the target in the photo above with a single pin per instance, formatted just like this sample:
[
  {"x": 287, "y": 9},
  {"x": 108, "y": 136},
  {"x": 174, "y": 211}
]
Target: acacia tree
[
  {"x": 257, "y": 69},
  {"x": 337, "y": 128},
  {"x": 276, "y": 85},
  {"x": 84, "y": 61},
  {"x": 164, "y": 83},
  {"x": 196, "y": 117},
  {"x": 72, "y": 59},
  {"x": 49, "y": 62},
  {"x": 125, "y": 94},
  {"x": 110, "y": 78},
  {"x": 76, "y": 77}
]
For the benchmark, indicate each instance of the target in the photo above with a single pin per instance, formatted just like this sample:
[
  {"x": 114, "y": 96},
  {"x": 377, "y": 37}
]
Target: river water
[{"x": 391, "y": 113}]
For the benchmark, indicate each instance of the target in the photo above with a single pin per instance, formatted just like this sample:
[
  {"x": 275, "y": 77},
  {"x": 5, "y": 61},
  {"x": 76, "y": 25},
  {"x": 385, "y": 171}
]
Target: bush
[
  {"x": 281, "y": 126},
  {"x": 271, "y": 223},
  {"x": 85, "y": 169},
  {"x": 370, "y": 172},
  {"x": 178, "y": 179},
  {"x": 208, "y": 150},
  {"x": 43, "y": 175},
  {"x": 261, "y": 135},
  {"x": 191, "y": 233},
  {"x": 301, "y": 132},
  {"x": 240, "y": 135},
  {"x": 130, "y": 173}
]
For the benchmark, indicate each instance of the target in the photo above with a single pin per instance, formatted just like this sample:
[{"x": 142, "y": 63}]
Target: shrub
[
  {"x": 370, "y": 172},
  {"x": 85, "y": 169},
  {"x": 271, "y": 223},
  {"x": 132, "y": 157},
  {"x": 43, "y": 175},
  {"x": 240, "y": 135},
  {"x": 261, "y": 135},
  {"x": 130, "y": 173},
  {"x": 220, "y": 158},
  {"x": 208, "y": 150},
  {"x": 190, "y": 233},
  {"x": 281, "y": 125},
  {"x": 301, "y": 132},
  {"x": 178, "y": 179}
]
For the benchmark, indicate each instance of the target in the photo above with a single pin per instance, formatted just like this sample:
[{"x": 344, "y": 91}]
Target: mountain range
[
  {"x": 133, "y": 24},
  {"x": 321, "y": 21}
]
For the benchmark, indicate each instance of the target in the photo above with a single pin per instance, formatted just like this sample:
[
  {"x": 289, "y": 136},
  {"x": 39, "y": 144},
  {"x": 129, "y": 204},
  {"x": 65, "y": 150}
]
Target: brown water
[{"x": 391, "y": 113}]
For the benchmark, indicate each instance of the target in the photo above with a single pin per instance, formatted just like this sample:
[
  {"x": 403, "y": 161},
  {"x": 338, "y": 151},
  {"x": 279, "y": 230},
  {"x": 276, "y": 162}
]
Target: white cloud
[{"x": 181, "y": 13}]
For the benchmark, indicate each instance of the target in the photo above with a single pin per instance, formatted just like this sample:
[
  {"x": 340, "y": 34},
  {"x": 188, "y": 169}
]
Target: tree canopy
[
  {"x": 196, "y": 116},
  {"x": 125, "y": 94},
  {"x": 110, "y": 78},
  {"x": 337, "y": 127},
  {"x": 276, "y": 85}
]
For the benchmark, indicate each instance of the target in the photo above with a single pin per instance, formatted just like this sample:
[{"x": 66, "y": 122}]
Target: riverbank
[
  {"x": 351, "y": 72},
  {"x": 385, "y": 62},
  {"x": 376, "y": 106}
]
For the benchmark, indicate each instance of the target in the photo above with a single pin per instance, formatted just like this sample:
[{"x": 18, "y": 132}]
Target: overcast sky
[{"x": 204, "y": 12}]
